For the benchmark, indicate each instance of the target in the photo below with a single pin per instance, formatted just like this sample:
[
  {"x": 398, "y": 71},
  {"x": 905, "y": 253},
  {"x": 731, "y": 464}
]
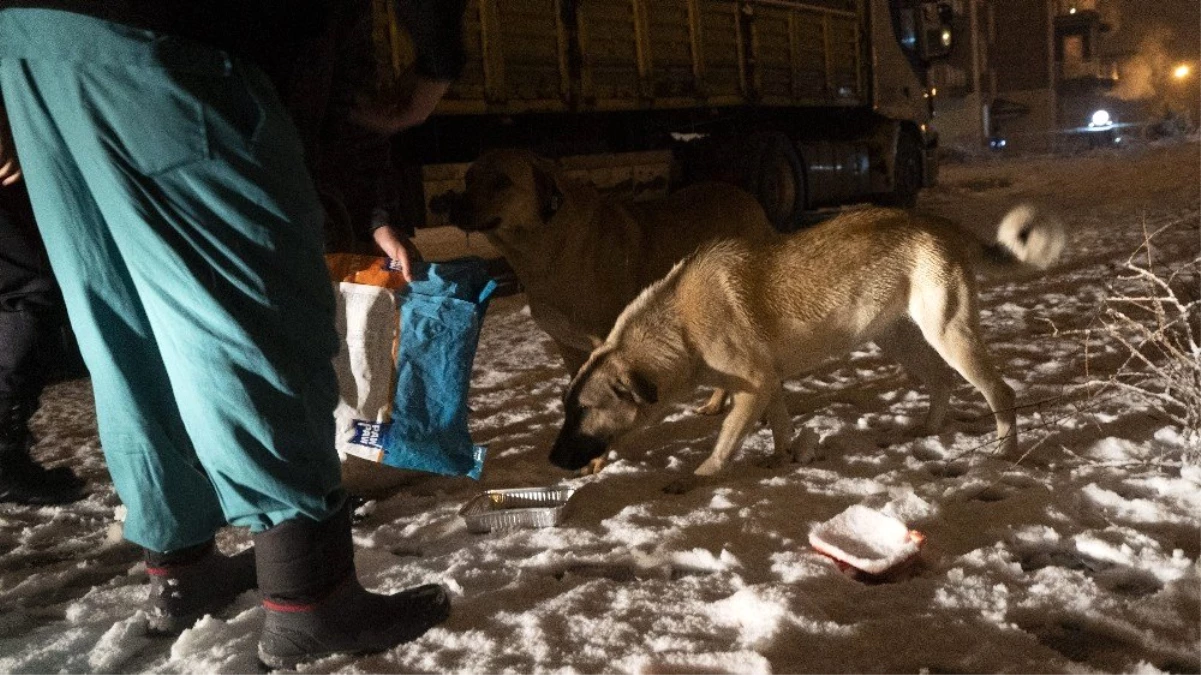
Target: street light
[{"x": 1182, "y": 71}]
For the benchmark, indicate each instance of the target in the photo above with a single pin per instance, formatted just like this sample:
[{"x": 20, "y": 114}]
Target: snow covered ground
[{"x": 1083, "y": 558}]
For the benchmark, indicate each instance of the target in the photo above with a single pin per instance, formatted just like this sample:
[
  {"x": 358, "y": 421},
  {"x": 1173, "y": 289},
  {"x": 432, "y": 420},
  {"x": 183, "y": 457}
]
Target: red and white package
[{"x": 866, "y": 539}]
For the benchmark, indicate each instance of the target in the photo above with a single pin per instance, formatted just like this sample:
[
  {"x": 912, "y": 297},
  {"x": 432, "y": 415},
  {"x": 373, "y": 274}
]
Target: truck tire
[
  {"x": 766, "y": 165},
  {"x": 779, "y": 181},
  {"x": 907, "y": 173}
]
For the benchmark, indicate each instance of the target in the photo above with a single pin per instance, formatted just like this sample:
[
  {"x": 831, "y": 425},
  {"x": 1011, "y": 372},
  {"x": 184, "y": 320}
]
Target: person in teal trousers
[{"x": 169, "y": 187}]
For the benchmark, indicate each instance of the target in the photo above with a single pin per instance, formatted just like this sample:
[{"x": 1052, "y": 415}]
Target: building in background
[
  {"x": 960, "y": 84},
  {"x": 1000, "y": 81},
  {"x": 1022, "y": 110},
  {"x": 1038, "y": 73},
  {"x": 1086, "y": 72}
]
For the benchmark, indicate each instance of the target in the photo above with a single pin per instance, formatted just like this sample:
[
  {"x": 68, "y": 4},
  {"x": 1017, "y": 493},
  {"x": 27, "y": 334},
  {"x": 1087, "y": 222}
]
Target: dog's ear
[
  {"x": 546, "y": 187},
  {"x": 637, "y": 389}
]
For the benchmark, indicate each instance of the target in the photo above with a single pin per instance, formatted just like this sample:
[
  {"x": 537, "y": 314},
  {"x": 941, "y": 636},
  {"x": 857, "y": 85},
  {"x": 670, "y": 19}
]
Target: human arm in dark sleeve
[
  {"x": 436, "y": 28},
  {"x": 356, "y": 170},
  {"x": 354, "y": 162},
  {"x": 10, "y": 168}
]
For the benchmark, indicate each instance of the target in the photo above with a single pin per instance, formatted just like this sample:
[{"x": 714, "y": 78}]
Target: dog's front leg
[
  {"x": 781, "y": 432},
  {"x": 746, "y": 408}
]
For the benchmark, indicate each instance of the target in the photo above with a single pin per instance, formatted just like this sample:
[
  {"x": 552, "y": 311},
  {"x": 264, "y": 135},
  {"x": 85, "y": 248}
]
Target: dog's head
[
  {"x": 606, "y": 400},
  {"x": 508, "y": 191}
]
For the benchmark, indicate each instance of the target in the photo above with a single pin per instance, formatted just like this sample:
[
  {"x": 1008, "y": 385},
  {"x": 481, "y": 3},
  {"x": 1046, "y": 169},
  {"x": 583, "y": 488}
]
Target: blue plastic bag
[{"x": 441, "y": 312}]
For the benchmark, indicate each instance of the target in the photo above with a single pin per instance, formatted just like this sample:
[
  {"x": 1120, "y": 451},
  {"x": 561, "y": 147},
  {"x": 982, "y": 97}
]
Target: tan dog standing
[
  {"x": 581, "y": 257},
  {"x": 744, "y": 317}
]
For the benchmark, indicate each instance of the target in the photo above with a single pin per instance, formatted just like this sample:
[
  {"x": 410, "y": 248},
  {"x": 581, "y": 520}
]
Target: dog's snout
[
  {"x": 574, "y": 451},
  {"x": 462, "y": 215}
]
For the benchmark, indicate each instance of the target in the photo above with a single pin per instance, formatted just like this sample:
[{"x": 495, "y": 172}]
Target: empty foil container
[{"x": 517, "y": 507}]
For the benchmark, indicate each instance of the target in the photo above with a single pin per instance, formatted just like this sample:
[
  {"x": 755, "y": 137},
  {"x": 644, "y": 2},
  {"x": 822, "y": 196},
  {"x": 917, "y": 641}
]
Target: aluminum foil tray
[{"x": 518, "y": 507}]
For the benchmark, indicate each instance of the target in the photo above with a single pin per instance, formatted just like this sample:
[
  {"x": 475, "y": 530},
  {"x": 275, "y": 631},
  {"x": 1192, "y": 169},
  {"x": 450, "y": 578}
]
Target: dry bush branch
[{"x": 1153, "y": 313}]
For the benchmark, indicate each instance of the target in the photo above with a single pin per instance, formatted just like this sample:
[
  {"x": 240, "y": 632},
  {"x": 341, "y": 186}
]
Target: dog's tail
[{"x": 1027, "y": 239}]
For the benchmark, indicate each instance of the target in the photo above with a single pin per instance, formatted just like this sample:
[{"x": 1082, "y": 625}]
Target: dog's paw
[
  {"x": 1009, "y": 454},
  {"x": 1009, "y": 451},
  {"x": 709, "y": 467},
  {"x": 682, "y": 485},
  {"x": 716, "y": 405},
  {"x": 593, "y": 467}
]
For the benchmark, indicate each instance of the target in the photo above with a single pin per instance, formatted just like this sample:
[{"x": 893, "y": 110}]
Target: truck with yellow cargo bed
[{"x": 805, "y": 104}]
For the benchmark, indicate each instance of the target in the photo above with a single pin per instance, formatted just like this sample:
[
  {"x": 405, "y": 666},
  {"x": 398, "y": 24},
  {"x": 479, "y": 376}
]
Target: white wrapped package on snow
[{"x": 866, "y": 539}]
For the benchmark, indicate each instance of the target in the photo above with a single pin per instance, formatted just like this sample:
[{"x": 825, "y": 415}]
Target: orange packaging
[{"x": 368, "y": 270}]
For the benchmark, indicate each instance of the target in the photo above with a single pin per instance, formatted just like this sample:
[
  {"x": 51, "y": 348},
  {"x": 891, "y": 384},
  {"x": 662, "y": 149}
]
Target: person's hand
[
  {"x": 382, "y": 118},
  {"x": 10, "y": 168},
  {"x": 397, "y": 247}
]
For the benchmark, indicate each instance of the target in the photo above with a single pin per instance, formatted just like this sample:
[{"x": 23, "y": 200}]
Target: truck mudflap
[{"x": 930, "y": 172}]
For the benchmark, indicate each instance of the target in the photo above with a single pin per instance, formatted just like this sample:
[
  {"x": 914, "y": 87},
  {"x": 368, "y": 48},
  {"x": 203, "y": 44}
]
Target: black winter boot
[
  {"x": 189, "y": 583},
  {"x": 24, "y": 326},
  {"x": 21, "y": 479},
  {"x": 315, "y": 605}
]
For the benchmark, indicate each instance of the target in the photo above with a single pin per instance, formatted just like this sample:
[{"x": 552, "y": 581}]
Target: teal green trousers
[{"x": 170, "y": 188}]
